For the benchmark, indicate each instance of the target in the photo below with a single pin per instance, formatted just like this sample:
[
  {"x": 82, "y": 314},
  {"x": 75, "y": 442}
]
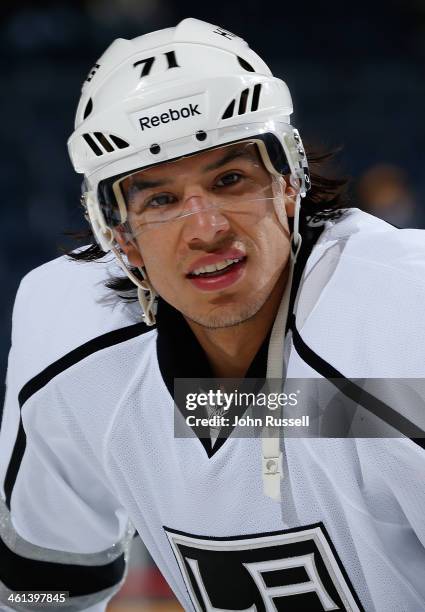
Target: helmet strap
[
  {"x": 278, "y": 194},
  {"x": 296, "y": 238},
  {"x": 145, "y": 292}
]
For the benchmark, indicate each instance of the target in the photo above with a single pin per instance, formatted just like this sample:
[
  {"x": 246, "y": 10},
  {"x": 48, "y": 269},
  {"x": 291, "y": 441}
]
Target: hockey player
[{"x": 193, "y": 183}]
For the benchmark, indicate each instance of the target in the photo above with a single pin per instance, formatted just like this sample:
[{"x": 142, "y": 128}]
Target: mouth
[
  {"x": 218, "y": 275},
  {"x": 216, "y": 269}
]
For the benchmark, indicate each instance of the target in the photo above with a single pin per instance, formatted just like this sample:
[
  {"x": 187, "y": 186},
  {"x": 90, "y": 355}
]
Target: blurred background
[{"x": 355, "y": 71}]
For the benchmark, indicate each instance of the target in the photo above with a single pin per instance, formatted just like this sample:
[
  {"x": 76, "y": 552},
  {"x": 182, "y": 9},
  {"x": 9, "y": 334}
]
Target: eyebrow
[
  {"x": 228, "y": 157},
  {"x": 222, "y": 161},
  {"x": 144, "y": 184}
]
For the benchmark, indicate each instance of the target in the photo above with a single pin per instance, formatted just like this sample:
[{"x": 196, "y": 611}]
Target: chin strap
[
  {"x": 147, "y": 302},
  {"x": 296, "y": 238},
  {"x": 272, "y": 459},
  {"x": 145, "y": 292}
]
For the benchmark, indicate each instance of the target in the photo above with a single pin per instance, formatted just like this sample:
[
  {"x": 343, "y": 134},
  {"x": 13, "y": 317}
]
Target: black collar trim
[{"x": 181, "y": 356}]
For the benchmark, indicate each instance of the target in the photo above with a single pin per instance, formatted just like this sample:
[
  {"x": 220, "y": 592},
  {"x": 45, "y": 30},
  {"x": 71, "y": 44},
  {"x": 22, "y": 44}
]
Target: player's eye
[
  {"x": 229, "y": 179},
  {"x": 159, "y": 201}
]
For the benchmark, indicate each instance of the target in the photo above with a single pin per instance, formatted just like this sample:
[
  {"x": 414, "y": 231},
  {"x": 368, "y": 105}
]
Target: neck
[{"x": 231, "y": 350}]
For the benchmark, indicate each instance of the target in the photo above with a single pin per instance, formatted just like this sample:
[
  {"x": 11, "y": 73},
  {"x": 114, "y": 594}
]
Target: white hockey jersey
[{"x": 88, "y": 451}]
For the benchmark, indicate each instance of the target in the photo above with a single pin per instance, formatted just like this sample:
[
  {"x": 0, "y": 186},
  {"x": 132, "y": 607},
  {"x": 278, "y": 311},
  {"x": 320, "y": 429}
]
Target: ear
[
  {"x": 129, "y": 247},
  {"x": 290, "y": 197}
]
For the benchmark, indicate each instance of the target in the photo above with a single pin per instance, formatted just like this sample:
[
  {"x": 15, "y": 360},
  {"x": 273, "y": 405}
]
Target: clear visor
[{"x": 227, "y": 180}]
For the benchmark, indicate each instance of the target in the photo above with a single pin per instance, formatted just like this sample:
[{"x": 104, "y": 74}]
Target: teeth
[{"x": 214, "y": 267}]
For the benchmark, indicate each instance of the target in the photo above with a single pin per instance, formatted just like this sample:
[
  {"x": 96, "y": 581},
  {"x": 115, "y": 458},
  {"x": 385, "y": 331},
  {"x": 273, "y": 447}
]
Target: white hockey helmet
[{"x": 170, "y": 94}]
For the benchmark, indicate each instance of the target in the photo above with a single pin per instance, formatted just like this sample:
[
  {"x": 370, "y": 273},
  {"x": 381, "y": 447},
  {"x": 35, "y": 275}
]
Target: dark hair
[{"x": 326, "y": 199}]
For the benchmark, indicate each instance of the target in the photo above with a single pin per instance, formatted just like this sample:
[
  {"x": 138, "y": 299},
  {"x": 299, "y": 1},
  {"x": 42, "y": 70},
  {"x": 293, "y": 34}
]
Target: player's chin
[{"x": 221, "y": 314}]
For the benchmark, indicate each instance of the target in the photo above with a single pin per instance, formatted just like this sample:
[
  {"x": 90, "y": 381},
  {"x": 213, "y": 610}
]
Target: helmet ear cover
[{"x": 269, "y": 146}]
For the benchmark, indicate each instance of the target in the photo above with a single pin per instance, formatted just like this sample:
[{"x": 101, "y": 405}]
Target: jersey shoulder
[
  {"x": 366, "y": 240},
  {"x": 360, "y": 304},
  {"x": 62, "y": 305}
]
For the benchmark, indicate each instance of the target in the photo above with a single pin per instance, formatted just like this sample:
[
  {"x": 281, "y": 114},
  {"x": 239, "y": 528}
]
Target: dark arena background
[{"x": 356, "y": 74}]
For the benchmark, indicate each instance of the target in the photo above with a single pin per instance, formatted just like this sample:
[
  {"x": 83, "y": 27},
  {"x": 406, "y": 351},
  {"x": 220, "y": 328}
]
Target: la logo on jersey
[{"x": 290, "y": 570}]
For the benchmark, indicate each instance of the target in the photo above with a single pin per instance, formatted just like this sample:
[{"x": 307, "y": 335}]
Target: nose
[{"x": 203, "y": 220}]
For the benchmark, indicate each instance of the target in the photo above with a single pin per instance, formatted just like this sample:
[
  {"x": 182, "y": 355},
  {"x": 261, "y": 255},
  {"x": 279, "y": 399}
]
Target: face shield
[{"x": 231, "y": 179}]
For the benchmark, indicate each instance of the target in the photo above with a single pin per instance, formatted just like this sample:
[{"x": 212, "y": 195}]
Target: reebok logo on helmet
[{"x": 171, "y": 115}]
